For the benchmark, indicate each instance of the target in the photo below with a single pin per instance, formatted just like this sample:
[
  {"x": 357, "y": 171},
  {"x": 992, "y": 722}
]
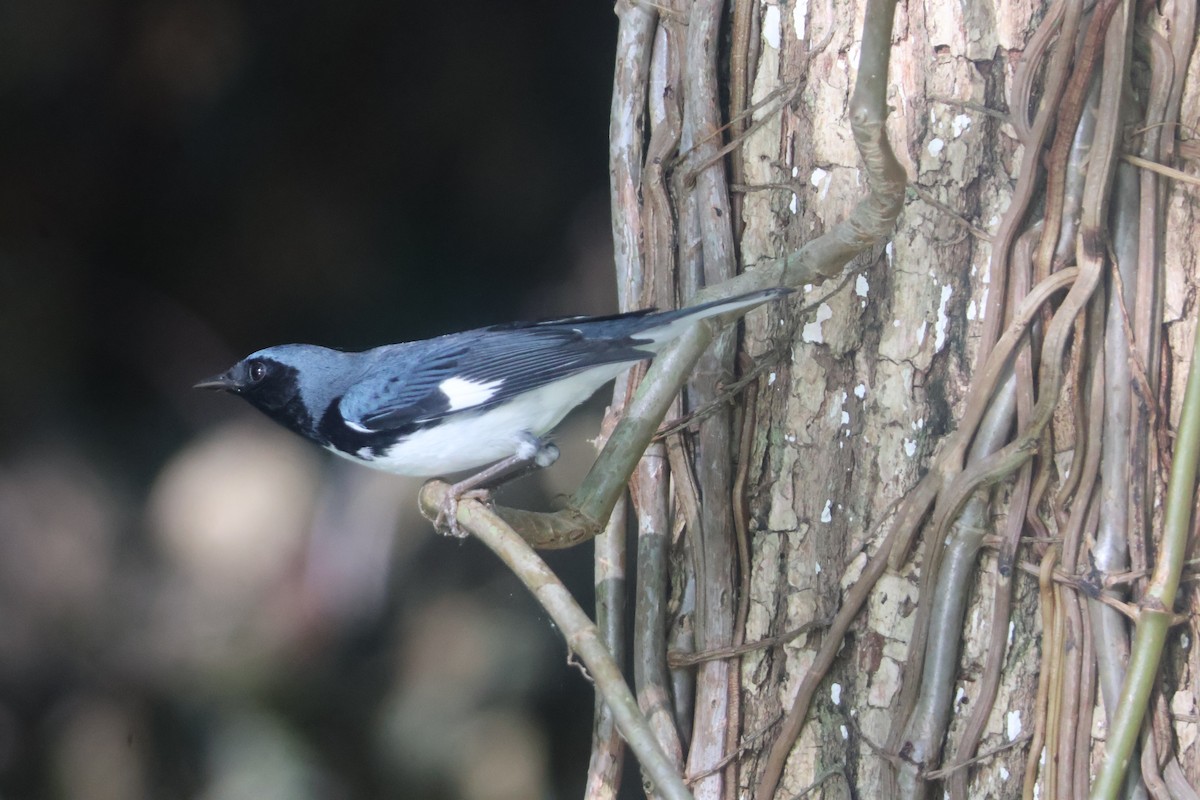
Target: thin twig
[
  {"x": 955, "y": 217},
  {"x": 735, "y": 753},
  {"x": 945, "y": 772},
  {"x": 1161, "y": 169},
  {"x": 954, "y": 102},
  {"x": 676, "y": 659}
]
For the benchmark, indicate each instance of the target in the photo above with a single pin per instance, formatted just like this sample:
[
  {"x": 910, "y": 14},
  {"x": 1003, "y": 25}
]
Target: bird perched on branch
[{"x": 460, "y": 401}]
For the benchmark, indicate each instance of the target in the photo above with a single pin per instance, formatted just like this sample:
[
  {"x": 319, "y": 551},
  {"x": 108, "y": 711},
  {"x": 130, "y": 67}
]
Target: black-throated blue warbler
[{"x": 460, "y": 401}]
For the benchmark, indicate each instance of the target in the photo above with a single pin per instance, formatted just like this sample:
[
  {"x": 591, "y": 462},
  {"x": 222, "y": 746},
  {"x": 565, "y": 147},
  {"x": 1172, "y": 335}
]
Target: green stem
[{"x": 1155, "y": 613}]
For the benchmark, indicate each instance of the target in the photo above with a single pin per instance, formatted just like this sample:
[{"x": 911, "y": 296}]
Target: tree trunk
[
  {"x": 984, "y": 654},
  {"x": 875, "y": 379}
]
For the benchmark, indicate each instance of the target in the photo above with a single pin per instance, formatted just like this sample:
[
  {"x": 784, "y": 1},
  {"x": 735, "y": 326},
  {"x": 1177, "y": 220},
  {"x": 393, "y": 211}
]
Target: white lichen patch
[
  {"x": 772, "y": 27},
  {"x": 1012, "y": 725},
  {"x": 800, "y": 19},
  {"x": 943, "y": 319},
  {"x": 812, "y": 331},
  {"x": 822, "y": 181},
  {"x": 843, "y": 414}
]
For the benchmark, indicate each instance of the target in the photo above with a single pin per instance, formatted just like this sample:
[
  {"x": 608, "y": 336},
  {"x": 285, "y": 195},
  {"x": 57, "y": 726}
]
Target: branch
[{"x": 583, "y": 638}]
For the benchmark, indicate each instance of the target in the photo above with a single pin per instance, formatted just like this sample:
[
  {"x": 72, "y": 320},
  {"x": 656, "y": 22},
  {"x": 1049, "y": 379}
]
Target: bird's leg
[{"x": 532, "y": 453}]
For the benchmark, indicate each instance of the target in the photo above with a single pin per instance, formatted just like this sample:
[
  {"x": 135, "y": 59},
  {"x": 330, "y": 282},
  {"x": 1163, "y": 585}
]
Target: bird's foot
[
  {"x": 532, "y": 453},
  {"x": 447, "y": 517}
]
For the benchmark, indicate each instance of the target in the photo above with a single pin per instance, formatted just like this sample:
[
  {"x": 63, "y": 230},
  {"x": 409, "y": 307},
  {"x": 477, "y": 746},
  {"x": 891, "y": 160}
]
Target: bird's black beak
[{"x": 224, "y": 382}]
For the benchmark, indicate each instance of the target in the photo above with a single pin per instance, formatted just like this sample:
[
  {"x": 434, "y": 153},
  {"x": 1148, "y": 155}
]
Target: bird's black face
[
  {"x": 251, "y": 378},
  {"x": 269, "y": 385}
]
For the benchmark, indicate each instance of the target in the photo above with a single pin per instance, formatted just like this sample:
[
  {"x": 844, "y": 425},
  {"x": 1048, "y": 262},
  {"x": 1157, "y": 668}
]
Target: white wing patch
[{"x": 462, "y": 393}]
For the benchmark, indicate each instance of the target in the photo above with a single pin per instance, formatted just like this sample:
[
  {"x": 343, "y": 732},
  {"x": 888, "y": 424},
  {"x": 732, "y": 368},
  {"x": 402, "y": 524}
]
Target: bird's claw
[{"x": 447, "y": 517}]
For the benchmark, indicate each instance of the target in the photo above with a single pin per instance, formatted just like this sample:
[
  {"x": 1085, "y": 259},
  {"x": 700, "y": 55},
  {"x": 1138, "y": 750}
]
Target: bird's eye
[{"x": 257, "y": 370}]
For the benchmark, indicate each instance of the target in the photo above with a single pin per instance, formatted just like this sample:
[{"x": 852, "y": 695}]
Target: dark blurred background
[{"x": 194, "y": 603}]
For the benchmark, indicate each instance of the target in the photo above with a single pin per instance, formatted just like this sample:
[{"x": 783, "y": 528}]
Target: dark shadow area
[{"x": 194, "y": 603}]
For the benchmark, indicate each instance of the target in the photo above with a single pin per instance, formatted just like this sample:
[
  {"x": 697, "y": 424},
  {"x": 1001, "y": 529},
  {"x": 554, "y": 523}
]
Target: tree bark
[
  {"x": 946, "y": 497},
  {"x": 876, "y": 378}
]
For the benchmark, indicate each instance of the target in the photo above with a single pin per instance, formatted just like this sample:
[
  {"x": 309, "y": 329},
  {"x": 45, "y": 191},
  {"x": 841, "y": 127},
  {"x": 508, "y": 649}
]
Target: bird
[{"x": 459, "y": 401}]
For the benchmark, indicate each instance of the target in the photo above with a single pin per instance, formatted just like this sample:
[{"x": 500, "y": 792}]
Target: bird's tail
[{"x": 664, "y": 326}]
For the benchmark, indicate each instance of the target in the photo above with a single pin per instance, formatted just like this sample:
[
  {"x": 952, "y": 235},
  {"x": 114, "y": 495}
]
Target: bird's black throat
[
  {"x": 332, "y": 430},
  {"x": 278, "y": 396}
]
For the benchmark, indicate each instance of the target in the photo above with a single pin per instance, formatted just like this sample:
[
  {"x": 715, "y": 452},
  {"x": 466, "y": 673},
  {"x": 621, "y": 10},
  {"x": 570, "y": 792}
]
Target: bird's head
[{"x": 289, "y": 383}]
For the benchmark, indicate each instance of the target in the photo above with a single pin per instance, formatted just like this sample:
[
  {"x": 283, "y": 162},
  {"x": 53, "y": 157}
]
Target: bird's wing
[
  {"x": 475, "y": 371},
  {"x": 401, "y": 388}
]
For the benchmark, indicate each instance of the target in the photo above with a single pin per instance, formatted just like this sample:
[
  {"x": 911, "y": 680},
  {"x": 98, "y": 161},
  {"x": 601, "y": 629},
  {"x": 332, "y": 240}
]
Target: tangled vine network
[{"x": 1070, "y": 347}]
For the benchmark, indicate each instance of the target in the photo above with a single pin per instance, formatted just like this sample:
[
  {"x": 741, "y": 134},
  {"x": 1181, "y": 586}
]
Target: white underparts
[{"x": 469, "y": 440}]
